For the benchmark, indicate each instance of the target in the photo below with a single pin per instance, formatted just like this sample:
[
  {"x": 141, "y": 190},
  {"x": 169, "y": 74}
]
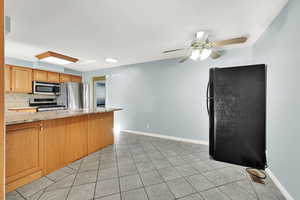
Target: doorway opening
[{"x": 99, "y": 91}]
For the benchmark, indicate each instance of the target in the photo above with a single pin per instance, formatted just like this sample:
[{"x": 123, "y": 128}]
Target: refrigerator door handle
[{"x": 207, "y": 98}]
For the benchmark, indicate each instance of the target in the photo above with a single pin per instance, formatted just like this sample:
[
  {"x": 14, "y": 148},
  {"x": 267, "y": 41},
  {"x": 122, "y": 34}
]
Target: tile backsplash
[{"x": 20, "y": 100}]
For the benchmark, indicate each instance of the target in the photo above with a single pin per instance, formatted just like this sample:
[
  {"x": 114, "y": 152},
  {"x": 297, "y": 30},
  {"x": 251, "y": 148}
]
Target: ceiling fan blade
[
  {"x": 215, "y": 54},
  {"x": 229, "y": 42},
  {"x": 184, "y": 59},
  {"x": 169, "y": 51}
]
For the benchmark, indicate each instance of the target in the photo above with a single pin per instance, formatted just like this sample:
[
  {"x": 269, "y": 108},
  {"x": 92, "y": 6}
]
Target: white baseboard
[
  {"x": 282, "y": 189},
  {"x": 167, "y": 137}
]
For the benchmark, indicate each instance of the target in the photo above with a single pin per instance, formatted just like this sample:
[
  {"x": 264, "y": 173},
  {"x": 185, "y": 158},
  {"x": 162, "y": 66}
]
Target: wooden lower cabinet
[
  {"x": 75, "y": 142},
  {"x": 54, "y": 138},
  {"x": 65, "y": 141},
  {"x": 108, "y": 118},
  {"x": 95, "y": 134},
  {"x": 39, "y": 148},
  {"x": 100, "y": 132},
  {"x": 24, "y": 154}
]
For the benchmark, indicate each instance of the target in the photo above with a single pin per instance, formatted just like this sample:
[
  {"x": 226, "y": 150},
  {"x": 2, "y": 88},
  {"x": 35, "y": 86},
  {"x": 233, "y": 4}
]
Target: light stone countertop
[{"x": 20, "y": 117}]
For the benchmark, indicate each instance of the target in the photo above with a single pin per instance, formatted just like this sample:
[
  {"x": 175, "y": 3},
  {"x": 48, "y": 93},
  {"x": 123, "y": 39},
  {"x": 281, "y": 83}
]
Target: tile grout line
[
  {"x": 77, "y": 172},
  {"x": 98, "y": 171},
  {"x": 117, "y": 165},
  {"x": 44, "y": 190},
  {"x": 156, "y": 169},
  {"x": 140, "y": 177},
  {"x": 196, "y": 191},
  {"x": 160, "y": 147},
  {"x": 199, "y": 173},
  {"x": 21, "y": 195}
]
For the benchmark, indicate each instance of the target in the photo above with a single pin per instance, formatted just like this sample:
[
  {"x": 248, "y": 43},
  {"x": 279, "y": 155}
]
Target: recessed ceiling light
[
  {"x": 56, "y": 58},
  {"x": 111, "y": 60},
  {"x": 91, "y": 61},
  {"x": 83, "y": 62}
]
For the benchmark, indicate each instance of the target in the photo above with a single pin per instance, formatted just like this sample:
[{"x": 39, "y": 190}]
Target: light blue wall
[
  {"x": 168, "y": 96},
  {"x": 41, "y": 65},
  {"x": 279, "y": 49}
]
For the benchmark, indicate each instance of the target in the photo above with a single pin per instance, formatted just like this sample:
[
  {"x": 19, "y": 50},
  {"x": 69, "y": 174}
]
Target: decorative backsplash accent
[{"x": 16, "y": 100}]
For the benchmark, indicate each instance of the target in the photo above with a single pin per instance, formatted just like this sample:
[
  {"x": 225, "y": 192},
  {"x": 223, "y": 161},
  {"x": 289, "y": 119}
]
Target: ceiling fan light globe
[
  {"x": 195, "y": 54},
  {"x": 205, "y": 54},
  {"x": 200, "y": 34}
]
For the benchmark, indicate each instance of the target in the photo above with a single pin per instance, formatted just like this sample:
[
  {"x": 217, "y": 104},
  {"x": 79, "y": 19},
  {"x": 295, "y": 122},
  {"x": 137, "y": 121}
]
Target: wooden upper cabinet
[
  {"x": 40, "y": 75},
  {"x": 53, "y": 77},
  {"x": 76, "y": 79},
  {"x": 21, "y": 79},
  {"x": 64, "y": 78},
  {"x": 24, "y": 154},
  {"x": 7, "y": 77}
]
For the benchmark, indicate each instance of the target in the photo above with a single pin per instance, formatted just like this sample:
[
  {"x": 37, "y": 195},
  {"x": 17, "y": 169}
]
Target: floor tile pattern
[{"x": 147, "y": 168}]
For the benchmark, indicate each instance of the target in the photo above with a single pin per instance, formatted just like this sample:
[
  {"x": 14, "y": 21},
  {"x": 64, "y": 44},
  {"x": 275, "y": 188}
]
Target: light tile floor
[{"x": 147, "y": 168}]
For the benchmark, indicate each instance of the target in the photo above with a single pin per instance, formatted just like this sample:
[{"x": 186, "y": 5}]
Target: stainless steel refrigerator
[
  {"x": 74, "y": 95},
  {"x": 236, "y": 103}
]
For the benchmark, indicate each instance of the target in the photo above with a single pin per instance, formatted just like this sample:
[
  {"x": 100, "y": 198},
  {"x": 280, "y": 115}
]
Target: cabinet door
[
  {"x": 53, "y": 77},
  {"x": 7, "y": 77},
  {"x": 76, "y": 79},
  {"x": 21, "y": 80},
  {"x": 64, "y": 78},
  {"x": 100, "y": 132},
  {"x": 39, "y": 75},
  {"x": 54, "y": 141},
  {"x": 96, "y": 136},
  {"x": 75, "y": 146},
  {"x": 108, "y": 124},
  {"x": 24, "y": 157}
]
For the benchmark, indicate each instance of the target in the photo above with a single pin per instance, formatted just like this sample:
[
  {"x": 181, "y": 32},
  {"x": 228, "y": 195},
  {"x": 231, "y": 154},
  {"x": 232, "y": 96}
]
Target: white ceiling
[{"x": 132, "y": 31}]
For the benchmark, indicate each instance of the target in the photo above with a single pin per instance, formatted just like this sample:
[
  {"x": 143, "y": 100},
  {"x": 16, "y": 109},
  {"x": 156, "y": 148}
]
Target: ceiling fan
[{"x": 201, "y": 48}]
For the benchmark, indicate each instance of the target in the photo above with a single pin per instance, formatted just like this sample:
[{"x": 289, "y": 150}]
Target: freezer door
[
  {"x": 86, "y": 96},
  {"x": 239, "y": 115},
  {"x": 74, "y": 96}
]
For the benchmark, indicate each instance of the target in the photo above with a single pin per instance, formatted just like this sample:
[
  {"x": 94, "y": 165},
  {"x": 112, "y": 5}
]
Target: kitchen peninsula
[{"x": 40, "y": 143}]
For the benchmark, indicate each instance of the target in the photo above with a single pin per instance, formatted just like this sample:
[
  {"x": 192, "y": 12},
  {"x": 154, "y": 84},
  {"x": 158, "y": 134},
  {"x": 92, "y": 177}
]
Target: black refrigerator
[{"x": 236, "y": 104}]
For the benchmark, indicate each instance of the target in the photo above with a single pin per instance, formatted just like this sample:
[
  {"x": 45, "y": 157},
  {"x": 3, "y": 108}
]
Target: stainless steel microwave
[{"x": 45, "y": 88}]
